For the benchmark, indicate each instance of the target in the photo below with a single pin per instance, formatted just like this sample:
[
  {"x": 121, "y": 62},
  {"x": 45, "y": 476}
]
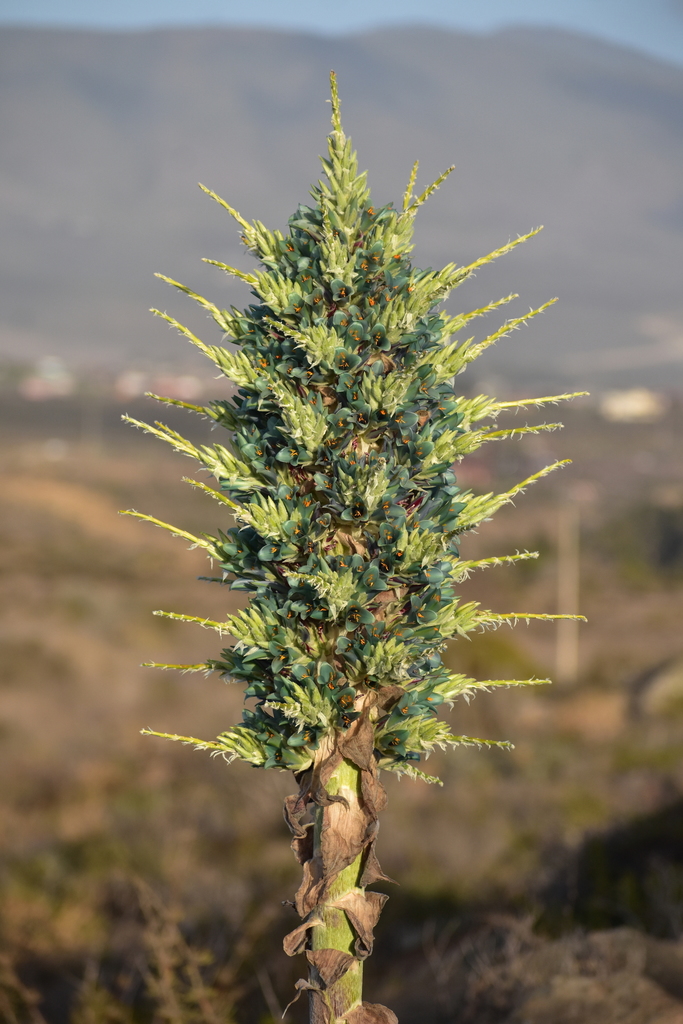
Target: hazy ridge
[{"x": 104, "y": 136}]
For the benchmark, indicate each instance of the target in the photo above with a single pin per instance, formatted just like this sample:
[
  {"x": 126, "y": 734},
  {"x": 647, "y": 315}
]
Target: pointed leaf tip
[
  {"x": 408, "y": 194},
  {"x": 226, "y": 206},
  {"x": 336, "y": 106}
]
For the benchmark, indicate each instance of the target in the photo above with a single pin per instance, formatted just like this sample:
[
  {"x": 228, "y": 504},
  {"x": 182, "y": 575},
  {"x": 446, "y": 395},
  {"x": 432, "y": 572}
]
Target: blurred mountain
[{"x": 104, "y": 136}]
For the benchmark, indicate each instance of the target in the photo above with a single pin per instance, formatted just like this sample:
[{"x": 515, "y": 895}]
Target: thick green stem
[{"x": 336, "y": 931}]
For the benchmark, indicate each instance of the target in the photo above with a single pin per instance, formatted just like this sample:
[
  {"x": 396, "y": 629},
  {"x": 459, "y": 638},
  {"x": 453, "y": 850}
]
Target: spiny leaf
[
  {"x": 497, "y": 435},
  {"x": 406, "y": 768},
  {"x": 456, "y": 356},
  {"x": 204, "y": 410},
  {"x": 220, "y": 627},
  {"x": 190, "y": 740},
  {"x": 510, "y": 325},
  {"x": 209, "y": 544},
  {"x": 479, "y": 507},
  {"x": 474, "y": 741},
  {"x": 336, "y": 104},
  {"x": 462, "y": 568},
  {"x": 185, "y": 331},
  {"x": 218, "y": 459},
  {"x": 502, "y": 251},
  {"x": 203, "y": 666},
  {"x": 319, "y": 342},
  {"x": 223, "y": 498},
  {"x": 408, "y": 194},
  {"x": 226, "y": 206},
  {"x": 496, "y": 618},
  {"x": 483, "y": 407},
  {"x": 520, "y": 403},
  {"x": 430, "y": 189},
  {"x": 222, "y": 319},
  {"x": 453, "y": 324},
  {"x": 256, "y": 237},
  {"x": 233, "y": 271},
  {"x": 457, "y": 685}
]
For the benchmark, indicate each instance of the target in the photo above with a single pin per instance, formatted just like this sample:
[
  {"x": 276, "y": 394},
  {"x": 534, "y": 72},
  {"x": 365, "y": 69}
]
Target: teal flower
[
  {"x": 288, "y": 248},
  {"x": 356, "y": 332},
  {"x": 404, "y": 419},
  {"x": 388, "y": 533},
  {"x": 355, "y": 513},
  {"x": 378, "y": 336},
  {"x": 395, "y": 515},
  {"x": 344, "y": 360},
  {"x": 394, "y": 743},
  {"x": 341, "y": 318},
  {"x": 340, "y": 291},
  {"x": 321, "y": 609},
  {"x": 294, "y": 455},
  {"x": 372, "y": 579},
  {"x": 306, "y": 738},
  {"x": 433, "y": 576},
  {"x": 295, "y": 304},
  {"x": 315, "y": 299},
  {"x": 421, "y": 449},
  {"x": 276, "y": 552},
  {"x": 357, "y": 616}
]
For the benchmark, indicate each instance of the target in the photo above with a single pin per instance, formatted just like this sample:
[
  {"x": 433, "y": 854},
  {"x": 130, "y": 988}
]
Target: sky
[{"x": 651, "y": 26}]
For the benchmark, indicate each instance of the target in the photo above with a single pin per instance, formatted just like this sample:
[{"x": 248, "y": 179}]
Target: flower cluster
[{"x": 342, "y": 435}]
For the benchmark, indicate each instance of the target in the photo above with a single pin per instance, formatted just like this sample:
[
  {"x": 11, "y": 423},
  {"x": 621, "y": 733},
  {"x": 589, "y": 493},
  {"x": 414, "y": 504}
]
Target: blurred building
[
  {"x": 634, "y": 405},
  {"x": 50, "y": 379}
]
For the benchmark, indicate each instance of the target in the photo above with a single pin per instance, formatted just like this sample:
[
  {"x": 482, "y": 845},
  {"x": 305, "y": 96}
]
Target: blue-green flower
[{"x": 357, "y": 616}]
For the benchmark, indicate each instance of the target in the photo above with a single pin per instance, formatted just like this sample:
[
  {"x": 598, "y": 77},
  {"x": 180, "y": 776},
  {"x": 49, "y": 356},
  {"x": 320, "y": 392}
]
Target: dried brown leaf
[
  {"x": 358, "y": 743},
  {"x": 372, "y": 871},
  {"x": 295, "y": 941},
  {"x": 310, "y": 892},
  {"x": 331, "y": 964},
  {"x": 342, "y": 838},
  {"x": 319, "y": 1010},
  {"x": 362, "y": 910},
  {"x": 388, "y": 695},
  {"x": 371, "y": 1013}
]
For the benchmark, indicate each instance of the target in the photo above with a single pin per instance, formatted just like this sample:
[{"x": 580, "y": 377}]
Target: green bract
[{"x": 336, "y": 462}]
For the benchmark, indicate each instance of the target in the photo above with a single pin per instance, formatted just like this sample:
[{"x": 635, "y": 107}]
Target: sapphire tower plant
[{"x": 342, "y": 520}]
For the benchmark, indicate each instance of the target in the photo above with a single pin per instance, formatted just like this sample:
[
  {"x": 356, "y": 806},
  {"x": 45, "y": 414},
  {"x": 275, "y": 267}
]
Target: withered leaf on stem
[
  {"x": 293, "y": 812},
  {"x": 322, "y": 773},
  {"x": 295, "y": 942},
  {"x": 302, "y": 841},
  {"x": 358, "y": 743},
  {"x": 372, "y": 872},
  {"x": 388, "y": 695},
  {"x": 331, "y": 964},
  {"x": 348, "y": 828},
  {"x": 309, "y": 893},
  {"x": 342, "y": 838},
  {"x": 362, "y": 910},
  {"x": 320, "y": 1011},
  {"x": 358, "y": 746},
  {"x": 371, "y": 1013}
]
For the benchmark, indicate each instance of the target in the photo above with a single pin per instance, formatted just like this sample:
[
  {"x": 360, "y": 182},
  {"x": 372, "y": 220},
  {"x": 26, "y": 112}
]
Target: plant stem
[{"x": 336, "y": 931}]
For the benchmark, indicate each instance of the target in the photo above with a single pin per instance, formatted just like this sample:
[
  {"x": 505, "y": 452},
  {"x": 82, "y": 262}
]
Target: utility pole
[
  {"x": 92, "y": 417},
  {"x": 568, "y": 582}
]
